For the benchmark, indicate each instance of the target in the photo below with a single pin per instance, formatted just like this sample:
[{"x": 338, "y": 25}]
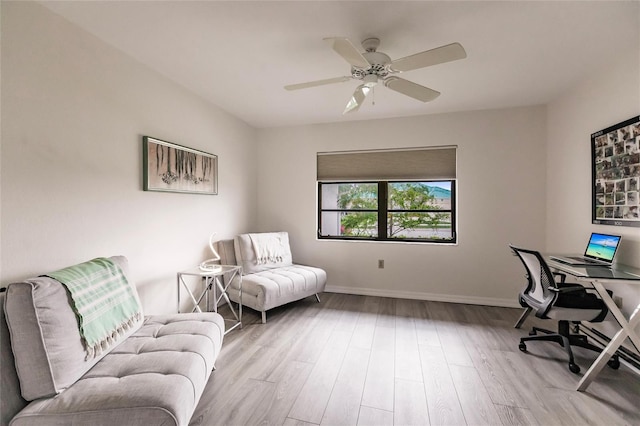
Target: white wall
[
  {"x": 612, "y": 95},
  {"x": 74, "y": 111},
  {"x": 501, "y": 200}
]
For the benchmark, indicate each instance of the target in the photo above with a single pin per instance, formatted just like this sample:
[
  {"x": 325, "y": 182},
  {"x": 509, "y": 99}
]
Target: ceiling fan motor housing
[{"x": 379, "y": 66}]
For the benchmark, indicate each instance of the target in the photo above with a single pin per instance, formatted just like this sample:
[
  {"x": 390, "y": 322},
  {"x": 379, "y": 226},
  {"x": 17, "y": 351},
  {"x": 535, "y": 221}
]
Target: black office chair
[{"x": 550, "y": 299}]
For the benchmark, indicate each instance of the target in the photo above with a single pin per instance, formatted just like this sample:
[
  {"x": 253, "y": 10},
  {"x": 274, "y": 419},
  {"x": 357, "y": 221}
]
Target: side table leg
[{"x": 178, "y": 281}]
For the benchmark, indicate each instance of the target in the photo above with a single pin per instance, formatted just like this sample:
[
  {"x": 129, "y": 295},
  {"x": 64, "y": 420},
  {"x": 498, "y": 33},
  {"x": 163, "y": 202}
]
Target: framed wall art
[
  {"x": 615, "y": 153},
  {"x": 169, "y": 167}
]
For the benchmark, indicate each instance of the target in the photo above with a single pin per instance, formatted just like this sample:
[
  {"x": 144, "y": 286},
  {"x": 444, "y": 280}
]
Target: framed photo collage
[{"x": 615, "y": 153}]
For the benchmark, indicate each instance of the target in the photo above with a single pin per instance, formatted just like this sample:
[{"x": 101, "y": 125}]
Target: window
[
  {"x": 388, "y": 195},
  {"x": 348, "y": 209},
  {"x": 422, "y": 211}
]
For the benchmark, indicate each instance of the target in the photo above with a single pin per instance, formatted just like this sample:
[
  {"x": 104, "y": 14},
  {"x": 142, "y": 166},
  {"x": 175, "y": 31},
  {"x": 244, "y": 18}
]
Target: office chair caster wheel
[
  {"x": 574, "y": 368},
  {"x": 614, "y": 363},
  {"x": 522, "y": 347}
]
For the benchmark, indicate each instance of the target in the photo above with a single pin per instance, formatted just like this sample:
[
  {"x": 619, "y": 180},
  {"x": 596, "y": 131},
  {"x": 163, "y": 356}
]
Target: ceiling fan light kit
[{"x": 372, "y": 66}]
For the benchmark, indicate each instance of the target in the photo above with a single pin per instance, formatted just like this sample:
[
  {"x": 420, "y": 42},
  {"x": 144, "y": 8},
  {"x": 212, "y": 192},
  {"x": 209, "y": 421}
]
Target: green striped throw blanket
[{"x": 103, "y": 300}]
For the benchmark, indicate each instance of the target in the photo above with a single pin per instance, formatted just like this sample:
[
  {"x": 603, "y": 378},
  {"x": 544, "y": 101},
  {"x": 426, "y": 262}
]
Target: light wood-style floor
[{"x": 360, "y": 360}]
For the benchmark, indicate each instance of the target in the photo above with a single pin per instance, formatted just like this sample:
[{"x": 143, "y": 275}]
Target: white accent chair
[{"x": 266, "y": 285}]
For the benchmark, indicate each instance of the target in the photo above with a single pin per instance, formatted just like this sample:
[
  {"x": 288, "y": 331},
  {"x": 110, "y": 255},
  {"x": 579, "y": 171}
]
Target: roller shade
[{"x": 412, "y": 164}]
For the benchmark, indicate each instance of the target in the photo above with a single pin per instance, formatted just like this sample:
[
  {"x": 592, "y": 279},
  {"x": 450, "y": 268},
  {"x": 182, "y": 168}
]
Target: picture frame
[
  {"x": 169, "y": 167},
  {"x": 615, "y": 154}
]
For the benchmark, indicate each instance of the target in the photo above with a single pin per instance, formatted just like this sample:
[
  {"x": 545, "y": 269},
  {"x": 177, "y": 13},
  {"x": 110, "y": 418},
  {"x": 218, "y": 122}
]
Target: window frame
[{"x": 383, "y": 211}]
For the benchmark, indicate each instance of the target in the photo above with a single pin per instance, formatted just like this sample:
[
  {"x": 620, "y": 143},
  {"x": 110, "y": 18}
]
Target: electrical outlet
[
  {"x": 618, "y": 301},
  {"x": 380, "y": 263}
]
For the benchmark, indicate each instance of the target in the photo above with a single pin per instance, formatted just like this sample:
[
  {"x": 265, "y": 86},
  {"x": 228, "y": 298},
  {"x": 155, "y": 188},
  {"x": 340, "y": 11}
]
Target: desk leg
[
  {"x": 627, "y": 330},
  {"x": 523, "y": 317}
]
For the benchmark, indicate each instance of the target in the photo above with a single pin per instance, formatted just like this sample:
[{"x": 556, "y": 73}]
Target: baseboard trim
[{"x": 468, "y": 300}]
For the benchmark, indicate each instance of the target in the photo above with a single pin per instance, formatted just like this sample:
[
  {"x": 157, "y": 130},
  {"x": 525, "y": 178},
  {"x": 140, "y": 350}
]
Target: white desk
[
  {"x": 597, "y": 276},
  {"x": 211, "y": 283}
]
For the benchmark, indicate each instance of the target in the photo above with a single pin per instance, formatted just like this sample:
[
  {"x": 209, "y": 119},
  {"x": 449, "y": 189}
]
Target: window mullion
[{"x": 383, "y": 204}]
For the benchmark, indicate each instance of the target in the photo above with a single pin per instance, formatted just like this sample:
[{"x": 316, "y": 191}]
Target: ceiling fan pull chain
[{"x": 373, "y": 96}]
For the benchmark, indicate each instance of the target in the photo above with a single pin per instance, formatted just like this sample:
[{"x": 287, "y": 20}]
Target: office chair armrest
[
  {"x": 562, "y": 276},
  {"x": 567, "y": 289}
]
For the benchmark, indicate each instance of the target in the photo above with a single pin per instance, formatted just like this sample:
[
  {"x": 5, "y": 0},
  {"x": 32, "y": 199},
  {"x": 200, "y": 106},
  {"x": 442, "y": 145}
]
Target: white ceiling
[{"x": 239, "y": 55}]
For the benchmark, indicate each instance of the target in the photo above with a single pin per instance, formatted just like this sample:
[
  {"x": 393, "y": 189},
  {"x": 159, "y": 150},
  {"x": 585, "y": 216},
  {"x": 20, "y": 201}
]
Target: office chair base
[
  {"x": 573, "y": 367},
  {"x": 566, "y": 340},
  {"x": 614, "y": 362}
]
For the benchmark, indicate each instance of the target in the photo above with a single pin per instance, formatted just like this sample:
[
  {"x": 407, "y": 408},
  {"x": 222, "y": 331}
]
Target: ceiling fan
[{"x": 372, "y": 66}]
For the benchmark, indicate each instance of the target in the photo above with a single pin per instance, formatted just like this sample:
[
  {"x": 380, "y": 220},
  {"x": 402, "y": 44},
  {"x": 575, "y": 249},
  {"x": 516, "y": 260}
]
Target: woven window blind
[{"x": 411, "y": 164}]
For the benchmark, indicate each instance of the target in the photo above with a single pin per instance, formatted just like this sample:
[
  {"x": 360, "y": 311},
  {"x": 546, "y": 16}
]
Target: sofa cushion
[
  {"x": 45, "y": 338},
  {"x": 10, "y": 400},
  {"x": 247, "y": 258},
  {"x": 155, "y": 377}
]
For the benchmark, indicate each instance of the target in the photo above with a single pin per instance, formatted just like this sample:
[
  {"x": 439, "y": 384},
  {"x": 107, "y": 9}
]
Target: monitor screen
[{"x": 602, "y": 246}]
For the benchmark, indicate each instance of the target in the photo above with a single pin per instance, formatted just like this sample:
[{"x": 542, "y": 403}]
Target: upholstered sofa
[
  {"x": 152, "y": 373},
  {"x": 269, "y": 281}
]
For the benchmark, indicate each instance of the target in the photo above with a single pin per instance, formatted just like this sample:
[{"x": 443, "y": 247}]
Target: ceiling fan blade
[
  {"x": 317, "y": 83},
  {"x": 411, "y": 89},
  {"x": 439, "y": 55},
  {"x": 357, "y": 98},
  {"x": 348, "y": 51}
]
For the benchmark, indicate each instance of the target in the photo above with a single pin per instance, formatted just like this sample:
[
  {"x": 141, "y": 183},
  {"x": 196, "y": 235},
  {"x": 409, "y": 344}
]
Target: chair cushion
[
  {"x": 155, "y": 377},
  {"x": 274, "y": 287},
  {"x": 579, "y": 305},
  {"x": 226, "y": 250},
  {"x": 246, "y": 255},
  {"x": 580, "y": 299},
  {"x": 570, "y": 314},
  {"x": 45, "y": 338}
]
